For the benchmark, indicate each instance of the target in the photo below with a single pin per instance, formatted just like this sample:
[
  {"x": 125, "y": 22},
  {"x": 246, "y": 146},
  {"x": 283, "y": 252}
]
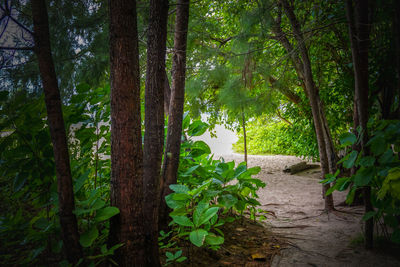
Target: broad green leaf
[
  {"x": 347, "y": 139},
  {"x": 240, "y": 170},
  {"x": 179, "y": 188},
  {"x": 181, "y": 196},
  {"x": 106, "y": 213},
  {"x": 197, "y": 128},
  {"x": 19, "y": 181},
  {"x": 89, "y": 237},
  {"x": 369, "y": 215},
  {"x": 201, "y": 207},
  {"x": 254, "y": 170},
  {"x": 98, "y": 204},
  {"x": 227, "y": 200},
  {"x": 245, "y": 191},
  {"x": 174, "y": 204},
  {"x": 182, "y": 220},
  {"x": 386, "y": 157},
  {"x": 391, "y": 184},
  {"x": 367, "y": 161},
  {"x": 197, "y": 237},
  {"x": 206, "y": 215},
  {"x": 214, "y": 240},
  {"x": 378, "y": 145},
  {"x": 364, "y": 176},
  {"x": 350, "y": 161}
]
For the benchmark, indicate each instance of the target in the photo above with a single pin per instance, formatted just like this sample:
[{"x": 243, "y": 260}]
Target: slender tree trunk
[
  {"x": 126, "y": 141},
  {"x": 174, "y": 135},
  {"x": 154, "y": 123},
  {"x": 69, "y": 226},
  {"x": 167, "y": 95},
  {"x": 359, "y": 38},
  {"x": 244, "y": 136},
  {"x": 312, "y": 92},
  {"x": 396, "y": 35}
]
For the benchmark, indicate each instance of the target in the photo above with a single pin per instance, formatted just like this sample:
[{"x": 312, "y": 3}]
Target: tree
[
  {"x": 174, "y": 134},
  {"x": 69, "y": 226},
  {"x": 359, "y": 38},
  {"x": 302, "y": 65},
  {"x": 126, "y": 141},
  {"x": 154, "y": 123}
]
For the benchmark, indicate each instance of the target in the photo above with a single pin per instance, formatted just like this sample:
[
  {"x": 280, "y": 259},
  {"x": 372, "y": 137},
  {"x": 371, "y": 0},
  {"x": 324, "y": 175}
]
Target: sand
[{"x": 296, "y": 205}]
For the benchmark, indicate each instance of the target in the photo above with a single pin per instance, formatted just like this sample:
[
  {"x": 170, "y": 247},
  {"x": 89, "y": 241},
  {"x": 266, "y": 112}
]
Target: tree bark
[
  {"x": 321, "y": 130},
  {"x": 174, "y": 135},
  {"x": 244, "y": 136},
  {"x": 396, "y": 36},
  {"x": 167, "y": 95},
  {"x": 154, "y": 123},
  {"x": 69, "y": 225},
  {"x": 126, "y": 141},
  {"x": 359, "y": 39}
]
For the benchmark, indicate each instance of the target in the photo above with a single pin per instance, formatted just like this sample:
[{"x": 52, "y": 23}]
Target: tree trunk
[
  {"x": 396, "y": 36},
  {"x": 126, "y": 141},
  {"x": 174, "y": 135},
  {"x": 154, "y": 123},
  {"x": 359, "y": 39},
  {"x": 316, "y": 107},
  {"x": 69, "y": 225},
  {"x": 167, "y": 95},
  {"x": 244, "y": 136}
]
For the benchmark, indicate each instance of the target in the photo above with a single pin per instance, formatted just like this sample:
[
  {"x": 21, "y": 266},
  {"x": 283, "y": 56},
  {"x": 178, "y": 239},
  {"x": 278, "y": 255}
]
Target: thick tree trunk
[
  {"x": 154, "y": 123},
  {"x": 359, "y": 39},
  {"x": 312, "y": 92},
  {"x": 126, "y": 141},
  {"x": 69, "y": 226},
  {"x": 174, "y": 135}
]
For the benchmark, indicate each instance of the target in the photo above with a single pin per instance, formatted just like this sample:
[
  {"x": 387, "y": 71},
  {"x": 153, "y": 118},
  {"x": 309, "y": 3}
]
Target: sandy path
[{"x": 316, "y": 238}]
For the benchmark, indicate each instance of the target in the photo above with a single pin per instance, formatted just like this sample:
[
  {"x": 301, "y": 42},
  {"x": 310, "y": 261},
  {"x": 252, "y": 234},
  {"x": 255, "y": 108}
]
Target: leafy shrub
[
  {"x": 276, "y": 137},
  {"x": 380, "y": 170},
  {"x": 208, "y": 191}
]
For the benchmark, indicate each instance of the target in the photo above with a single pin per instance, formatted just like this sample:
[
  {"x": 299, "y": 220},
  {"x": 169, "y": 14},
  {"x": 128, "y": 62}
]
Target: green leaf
[
  {"x": 227, "y": 200},
  {"x": 106, "y": 213},
  {"x": 364, "y": 176},
  {"x": 179, "y": 188},
  {"x": 350, "y": 161},
  {"x": 254, "y": 170},
  {"x": 347, "y": 139},
  {"x": 214, "y": 240},
  {"x": 19, "y": 181},
  {"x": 182, "y": 220},
  {"x": 98, "y": 204},
  {"x": 88, "y": 237},
  {"x": 208, "y": 214},
  {"x": 386, "y": 157},
  {"x": 201, "y": 207},
  {"x": 173, "y": 204},
  {"x": 197, "y": 128},
  {"x": 181, "y": 196},
  {"x": 369, "y": 215},
  {"x": 378, "y": 145},
  {"x": 197, "y": 237},
  {"x": 367, "y": 161}
]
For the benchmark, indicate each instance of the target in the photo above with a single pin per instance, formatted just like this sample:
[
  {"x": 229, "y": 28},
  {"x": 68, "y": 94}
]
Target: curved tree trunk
[
  {"x": 174, "y": 135},
  {"x": 69, "y": 226},
  {"x": 154, "y": 124},
  {"x": 126, "y": 141},
  {"x": 323, "y": 136}
]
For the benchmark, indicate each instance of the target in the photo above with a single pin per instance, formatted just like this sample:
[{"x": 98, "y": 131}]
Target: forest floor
[{"x": 313, "y": 238}]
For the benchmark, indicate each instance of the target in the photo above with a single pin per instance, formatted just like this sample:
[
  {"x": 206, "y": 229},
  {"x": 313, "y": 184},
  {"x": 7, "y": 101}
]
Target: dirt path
[{"x": 315, "y": 238}]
